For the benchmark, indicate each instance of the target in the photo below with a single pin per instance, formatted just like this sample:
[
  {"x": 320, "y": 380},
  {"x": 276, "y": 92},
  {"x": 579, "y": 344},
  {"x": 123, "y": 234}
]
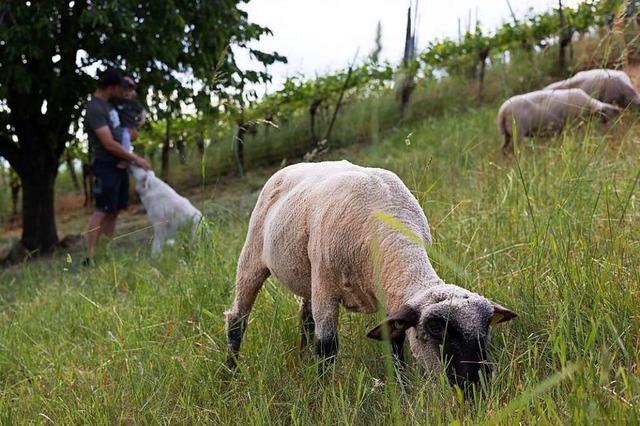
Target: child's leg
[{"x": 126, "y": 139}]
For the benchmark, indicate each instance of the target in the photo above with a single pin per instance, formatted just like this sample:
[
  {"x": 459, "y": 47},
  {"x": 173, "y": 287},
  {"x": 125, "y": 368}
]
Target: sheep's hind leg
[
  {"x": 507, "y": 146},
  {"x": 307, "y": 325},
  {"x": 247, "y": 288}
]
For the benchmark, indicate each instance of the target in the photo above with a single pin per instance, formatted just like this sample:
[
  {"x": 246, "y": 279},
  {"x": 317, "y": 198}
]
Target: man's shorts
[{"x": 111, "y": 186}]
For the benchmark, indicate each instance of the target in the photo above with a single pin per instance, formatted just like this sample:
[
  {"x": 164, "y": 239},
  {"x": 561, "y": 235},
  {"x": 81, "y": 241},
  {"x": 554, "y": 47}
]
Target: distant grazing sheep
[
  {"x": 546, "y": 111},
  {"x": 610, "y": 86},
  {"x": 315, "y": 229},
  {"x": 167, "y": 210}
]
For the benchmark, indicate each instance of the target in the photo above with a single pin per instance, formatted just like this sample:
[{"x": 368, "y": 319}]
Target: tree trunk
[
  {"x": 39, "y": 232},
  {"x": 407, "y": 86},
  {"x": 181, "y": 145},
  {"x": 313, "y": 109},
  {"x": 240, "y": 145},
  {"x": 200, "y": 144},
  {"x": 72, "y": 171},
  {"x": 339, "y": 103},
  {"x": 166, "y": 146},
  {"x": 15, "y": 192},
  {"x": 36, "y": 164},
  {"x": 408, "y": 42},
  {"x": 565, "y": 39},
  {"x": 484, "y": 53}
]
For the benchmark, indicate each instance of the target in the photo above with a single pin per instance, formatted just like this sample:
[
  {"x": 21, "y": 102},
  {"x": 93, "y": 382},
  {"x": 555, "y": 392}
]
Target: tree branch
[{"x": 344, "y": 88}]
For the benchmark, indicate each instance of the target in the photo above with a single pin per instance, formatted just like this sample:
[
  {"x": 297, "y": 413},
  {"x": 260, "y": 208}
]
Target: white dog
[{"x": 167, "y": 210}]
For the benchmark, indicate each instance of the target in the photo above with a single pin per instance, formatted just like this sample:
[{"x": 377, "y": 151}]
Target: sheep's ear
[
  {"x": 501, "y": 314},
  {"x": 396, "y": 324}
]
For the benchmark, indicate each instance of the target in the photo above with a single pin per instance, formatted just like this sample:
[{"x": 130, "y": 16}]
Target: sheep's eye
[{"x": 435, "y": 328}]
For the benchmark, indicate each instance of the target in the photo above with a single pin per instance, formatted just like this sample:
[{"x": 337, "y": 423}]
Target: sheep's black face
[
  {"x": 465, "y": 358},
  {"x": 448, "y": 327},
  {"x": 453, "y": 333},
  {"x": 463, "y": 351}
]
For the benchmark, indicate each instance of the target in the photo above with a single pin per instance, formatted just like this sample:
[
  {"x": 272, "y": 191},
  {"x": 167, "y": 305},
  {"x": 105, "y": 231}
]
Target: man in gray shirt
[{"x": 111, "y": 188}]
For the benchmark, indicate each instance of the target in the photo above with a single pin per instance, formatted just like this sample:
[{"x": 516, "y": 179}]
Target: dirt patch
[
  {"x": 19, "y": 254},
  {"x": 12, "y": 226},
  {"x": 69, "y": 202}
]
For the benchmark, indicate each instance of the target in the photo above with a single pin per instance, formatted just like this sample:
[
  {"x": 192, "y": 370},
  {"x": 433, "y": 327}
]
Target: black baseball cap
[{"x": 111, "y": 77}]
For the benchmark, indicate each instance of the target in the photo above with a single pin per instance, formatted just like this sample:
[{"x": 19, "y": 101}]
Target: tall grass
[{"x": 551, "y": 232}]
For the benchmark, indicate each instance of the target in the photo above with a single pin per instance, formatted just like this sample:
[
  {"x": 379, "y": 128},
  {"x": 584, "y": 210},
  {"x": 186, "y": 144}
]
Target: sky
[{"x": 319, "y": 36}]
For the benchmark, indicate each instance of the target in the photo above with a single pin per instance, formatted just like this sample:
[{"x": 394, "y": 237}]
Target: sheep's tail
[
  {"x": 505, "y": 113},
  {"x": 502, "y": 129}
]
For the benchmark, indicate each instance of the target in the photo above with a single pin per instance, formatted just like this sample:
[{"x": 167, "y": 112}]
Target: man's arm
[{"x": 111, "y": 145}]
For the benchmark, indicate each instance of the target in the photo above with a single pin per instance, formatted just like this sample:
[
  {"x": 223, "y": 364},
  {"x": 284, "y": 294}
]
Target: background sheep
[
  {"x": 610, "y": 86},
  {"x": 167, "y": 210},
  {"x": 546, "y": 111},
  {"x": 314, "y": 229}
]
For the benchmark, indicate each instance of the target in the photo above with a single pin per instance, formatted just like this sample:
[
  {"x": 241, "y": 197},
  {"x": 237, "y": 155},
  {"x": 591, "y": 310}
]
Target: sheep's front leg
[
  {"x": 325, "y": 315},
  {"x": 307, "y": 325},
  {"x": 248, "y": 284}
]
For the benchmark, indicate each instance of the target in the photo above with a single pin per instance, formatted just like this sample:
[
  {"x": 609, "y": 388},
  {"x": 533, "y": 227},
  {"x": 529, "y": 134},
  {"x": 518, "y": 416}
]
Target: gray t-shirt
[{"x": 99, "y": 114}]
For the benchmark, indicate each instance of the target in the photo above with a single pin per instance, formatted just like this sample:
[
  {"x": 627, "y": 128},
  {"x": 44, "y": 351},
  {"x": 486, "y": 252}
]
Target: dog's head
[{"x": 142, "y": 177}]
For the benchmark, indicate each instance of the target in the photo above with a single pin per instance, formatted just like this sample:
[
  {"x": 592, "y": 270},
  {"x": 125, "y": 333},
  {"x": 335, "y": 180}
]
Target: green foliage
[
  {"x": 298, "y": 92},
  {"x": 458, "y": 56},
  {"x": 158, "y": 41}
]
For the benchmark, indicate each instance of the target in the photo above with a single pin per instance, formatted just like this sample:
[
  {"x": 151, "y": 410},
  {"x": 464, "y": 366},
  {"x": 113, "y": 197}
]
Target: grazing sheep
[
  {"x": 610, "y": 86},
  {"x": 167, "y": 210},
  {"x": 546, "y": 111},
  {"x": 315, "y": 229}
]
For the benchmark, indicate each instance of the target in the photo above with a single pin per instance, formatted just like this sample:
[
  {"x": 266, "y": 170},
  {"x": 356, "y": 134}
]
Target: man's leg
[
  {"x": 96, "y": 223},
  {"x": 102, "y": 222},
  {"x": 121, "y": 201},
  {"x": 109, "y": 224}
]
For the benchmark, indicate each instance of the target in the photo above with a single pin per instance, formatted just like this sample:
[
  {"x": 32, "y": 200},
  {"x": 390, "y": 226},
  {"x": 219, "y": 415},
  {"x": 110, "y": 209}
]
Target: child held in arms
[{"x": 132, "y": 115}]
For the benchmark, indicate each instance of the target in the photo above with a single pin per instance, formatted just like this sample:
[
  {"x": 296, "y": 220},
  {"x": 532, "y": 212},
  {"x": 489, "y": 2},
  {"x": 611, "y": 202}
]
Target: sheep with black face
[
  {"x": 315, "y": 229},
  {"x": 451, "y": 321}
]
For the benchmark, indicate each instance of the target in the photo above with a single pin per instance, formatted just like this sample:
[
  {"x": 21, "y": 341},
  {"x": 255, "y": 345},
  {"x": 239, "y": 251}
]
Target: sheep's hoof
[
  {"x": 231, "y": 364},
  {"x": 232, "y": 361}
]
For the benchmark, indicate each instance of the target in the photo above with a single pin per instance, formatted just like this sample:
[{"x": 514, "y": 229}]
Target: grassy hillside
[{"x": 552, "y": 233}]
